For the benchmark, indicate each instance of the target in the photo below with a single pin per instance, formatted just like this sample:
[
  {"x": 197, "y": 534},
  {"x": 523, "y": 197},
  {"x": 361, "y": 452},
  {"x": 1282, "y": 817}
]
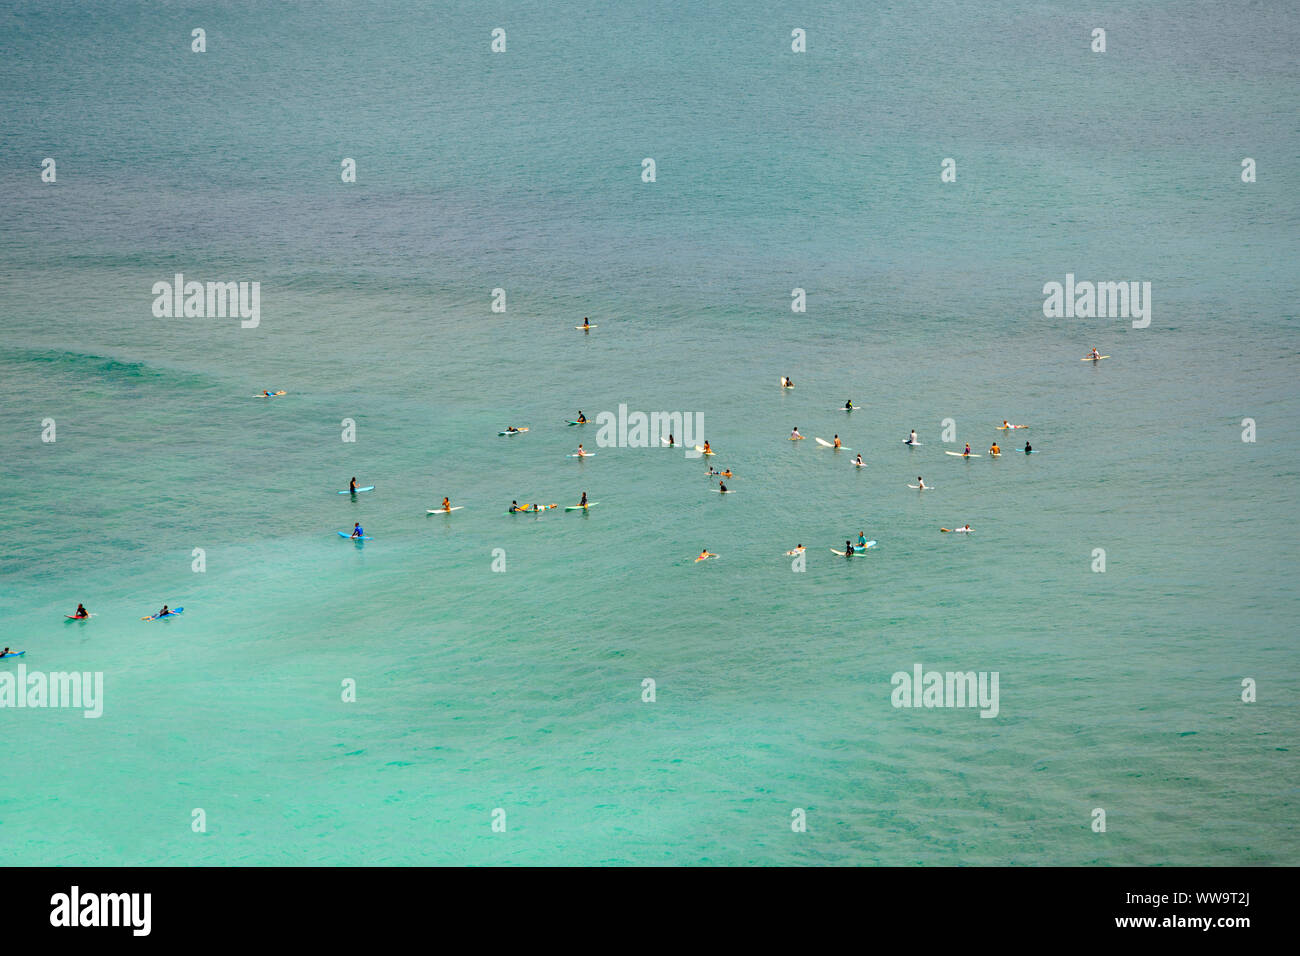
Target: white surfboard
[
  {"x": 444, "y": 511},
  {"x": 962, "y": 454},
  {"x": 919, "y": 488}
]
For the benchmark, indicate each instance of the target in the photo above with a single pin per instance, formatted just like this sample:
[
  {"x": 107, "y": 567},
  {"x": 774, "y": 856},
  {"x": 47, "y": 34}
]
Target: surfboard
[
  {"x": 446, "y": 511},
  {"x": 919, "y": 488},
  {"x": 366, "y": 488},
  {"x": 73, "y": 617},
  {"x": 958, "y": 530},
  {"x": 585, "y": 454},
  {"x": 825, "y": 444},
  {"x": 348, "y": 534},
  {"x": 705, "y": 558},
  {"x": 798, "y": 437},
  {"x": 517, "y": 431},
  {"x": 845, "y": 554},
  {"x": 843, "y": 409},
  {"x": 574, "y": 423},
  {"x": 700, "y": 449},
  {"x": 666, "y": 443},
  {"x": 908, "y": 442},
  {"x": 1090, "y": 358},
  {"x": 797, "y": 551},
  {"x": 532, "y": 510},
  {"x": 580, "y": 507},
  {"x": 21, "y": 653},
  {"x": 172, "y": 613},
  {"x": 584, "y": 328},
  {"x": 783, "y": 385},
  {"x": 860, "y": 464},
  {"x": 962, "y": 454},
  {"x": 272, "y": 395}
]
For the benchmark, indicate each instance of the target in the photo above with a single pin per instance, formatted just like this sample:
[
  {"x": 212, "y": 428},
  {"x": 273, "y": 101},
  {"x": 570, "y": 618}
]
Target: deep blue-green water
[{"x": 521, "y": 689}]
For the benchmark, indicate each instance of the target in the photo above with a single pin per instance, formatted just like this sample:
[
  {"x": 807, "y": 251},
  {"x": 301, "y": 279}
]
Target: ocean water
[{"x": 521, "y": 690}]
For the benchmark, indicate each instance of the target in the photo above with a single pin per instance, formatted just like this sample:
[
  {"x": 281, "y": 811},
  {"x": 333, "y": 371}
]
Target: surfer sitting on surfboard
[
  {"x": 912, "y": 439},
  {"x": 356, "y": 531},
  {"x": 994, "y": 449},
  {"x": 81, "y": 611},
  {"x": 862, "y": 540},
  {"x": 794, "y": 435},
  {"x": 967, "y": 451},
  {"x": 722, "y": 487},
  {"x": 446, "y": 504},
  {"x": 848, "y": 406},
  {"x": 707, "y": 449},
  {"x": 848, "y": 548},
  {"x": 671, "y": 442},
  {"x": 1095, "y": 354},
  {"x": 586, "y": 323},
  {"x": 706, "y": 553},
  {"x": 583, "y": 502},
  {"x": 352, "y": 485},
  {"x": 837, "y": 441},
  {"x": 858, "y": 460},
  {"x": 919, "y": 482},
  {"x": 582, "y": 419},
  {"x": 1028, "y": 448}
]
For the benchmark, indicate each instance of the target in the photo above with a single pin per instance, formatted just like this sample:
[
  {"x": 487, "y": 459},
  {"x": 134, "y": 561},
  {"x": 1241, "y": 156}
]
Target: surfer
[
  {"x": 786, "y": 383},
  {"x": 707, "y": 449},
  {"x": 726, "y": 474},
  {"x": 837, "y": 441},
  {"x": 722, "y": 487},
  {"x": 862, "y": 540},
  {"x": 586, "y": 323},
  {"x": 583, "y": 502},
  {"x": 1095, "y": 354},
  {"x": 352, "y": 485},
  {"x": 582, "y": 419},
  {"x": 357, "y": 531},
  {"x": 848, "y": 548},
  {"x": 858, "y": 460},
  {"x": 967, "y": 451},
  {"x": 848, "y": 406},
  {"x": 919, "y": 483},
  {"x": 1028, "y": 448},
  {"x": 580, "y": 451},
  {"x": 514, "y": 506},
  {"x": 671, "y": 442},
  {"x": 81, "y": 611},
  {"x": 164, "y": 612},
  {"x": 797, "y": 549},
  {"x": 794, "y": 435},
  {"x": 706, "y": 553},
  {"x": 912, "y": 438},
  {"x": 446, "y": 504},
  {"x": 994, "y": 449}
]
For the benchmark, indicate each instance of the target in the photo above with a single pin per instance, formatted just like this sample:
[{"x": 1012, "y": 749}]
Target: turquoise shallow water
[{"x": 522, "y": 689}]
